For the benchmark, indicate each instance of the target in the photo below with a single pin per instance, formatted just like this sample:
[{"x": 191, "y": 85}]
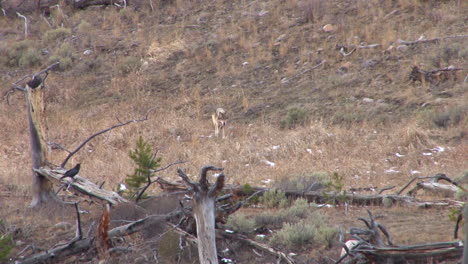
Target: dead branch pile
[{"x": 372, "y": 248}]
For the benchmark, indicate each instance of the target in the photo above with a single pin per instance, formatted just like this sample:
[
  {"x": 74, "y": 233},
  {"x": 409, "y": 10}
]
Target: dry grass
[{"x": 250, "y": 58}]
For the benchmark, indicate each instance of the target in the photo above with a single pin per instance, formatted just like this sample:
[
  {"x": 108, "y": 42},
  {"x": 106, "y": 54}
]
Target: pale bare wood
[
  {"x": 81, "y": 185},
  {"x": 204, "y": 211},
  {"x": 404, "y": 42}
]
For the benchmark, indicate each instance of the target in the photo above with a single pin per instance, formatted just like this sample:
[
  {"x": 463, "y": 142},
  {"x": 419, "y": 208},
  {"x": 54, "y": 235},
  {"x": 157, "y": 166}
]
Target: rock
[
  {"x": 370, "y": 63},
  {"x": 367, "y": 100},
  {"x": 280, "y": 38},
  {"x": 262, "y": 13},
  {"x": 402, "y": 48},
  {"x": 62, "y": 226},
  {"x": 87, "y": 52},
  {"x": 329, "y": 28}
]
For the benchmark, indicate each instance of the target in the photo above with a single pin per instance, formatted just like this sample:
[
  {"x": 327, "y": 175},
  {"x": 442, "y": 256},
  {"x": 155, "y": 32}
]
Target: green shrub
[
  {"x": 64, "y": 55},
  {"x": 56, "y": 34},
  {"x": 308, "y": 182},
  {"x": 65, "y": 63},
  {"x": 326, "y": 235},
  {"x": 313, "y": 229},
  {"x": 274, "y": 198},
  {"x": 84, "y": 27},
  {"x": 292, "y": 235},
  {"x": 65, "y": 50},
  {"x": 336, "y": 184},
  {"x": 22, "y": 54},
  {"x": 129, "y": 64},
  {"x": 146, "y": 161},
  {"x": 241, "y": 223},
  {"x": 30, "y": 58},
  {"x": 294, "y": 117},
  {"x": 449, "y": 117},
  {"x": 6, "y": 243},
  {"x": 300, "y": 209}
]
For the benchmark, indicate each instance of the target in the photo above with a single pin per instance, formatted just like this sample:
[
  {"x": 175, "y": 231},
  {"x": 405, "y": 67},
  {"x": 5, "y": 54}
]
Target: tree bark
[
  {"x": 465, "y": 248},
  {"x": 204, "y": 198},
  {"x": 41, "y": 186},
  {"x": 204, "y": 213}
]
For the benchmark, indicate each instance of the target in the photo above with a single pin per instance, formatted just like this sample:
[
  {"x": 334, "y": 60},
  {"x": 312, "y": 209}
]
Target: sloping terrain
[{"x": 301, "y": 97}]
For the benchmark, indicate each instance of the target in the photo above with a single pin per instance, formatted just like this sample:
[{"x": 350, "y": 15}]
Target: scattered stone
[
  {"x": 62, "y": 226},
  {"x": 262, "y": 13},
  {"x": 281, "y": 37},
  {"x": 329, "y": 28},
  {"x": 402, "y": 48},
  {"x": 367, "y": 100},
  {"x": 19, "y": 243},
  {"x": 370, "y": 63}
]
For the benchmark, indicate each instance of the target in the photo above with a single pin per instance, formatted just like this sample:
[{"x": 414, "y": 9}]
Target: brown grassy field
[{"x": 352, "y": 115}]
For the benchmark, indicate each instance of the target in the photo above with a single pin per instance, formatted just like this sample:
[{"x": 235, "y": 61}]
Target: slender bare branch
[
  {"x": 167, "y": 166},
  {"x": 218, "y": 186},
  {"x": 25, "y": 24},
  {"x": 102, "y": 132},
  {"x": 191, "y": 185},
  {"x": 149, "y": 182},
  {"x": 386, "y": 189},
  {"x": 79, "y": 233},
  {"x": 203, "y": 179}
]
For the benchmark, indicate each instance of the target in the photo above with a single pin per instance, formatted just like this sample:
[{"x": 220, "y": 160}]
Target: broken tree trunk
[
  {"x": 34, "y": 93},
  {"x": 465, "y": 248},
  {"x": 204, "y": 198}
]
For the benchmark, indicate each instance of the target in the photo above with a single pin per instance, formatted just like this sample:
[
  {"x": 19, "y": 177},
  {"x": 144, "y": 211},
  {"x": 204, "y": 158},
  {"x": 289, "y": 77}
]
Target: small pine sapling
[{"x": 146, "y": 162}]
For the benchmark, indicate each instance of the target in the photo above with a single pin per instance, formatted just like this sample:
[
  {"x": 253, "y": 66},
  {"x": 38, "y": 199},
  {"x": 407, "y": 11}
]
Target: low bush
[
  {"x": 309, "y": 182},
  {"x": 312, "y": 229},
  {"x": 129, "y": 64},
  {"x": 241, "y": 223},
  {"x": 294, "y": 117},
  {"x": 22, "y": 54},
  {"x": 56, "y": 34},
  {"x": 274, "y": 198}
]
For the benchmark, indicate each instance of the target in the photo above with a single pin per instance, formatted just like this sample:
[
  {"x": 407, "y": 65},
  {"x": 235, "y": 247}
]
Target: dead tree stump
[{"x": 204, "y": 199}]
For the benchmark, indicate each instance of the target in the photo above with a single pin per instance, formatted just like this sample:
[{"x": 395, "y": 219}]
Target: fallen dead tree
[
  {"x": 434, "y": 77},
  {"x": 81, "y": 185},
  {"x": 354, "y": 198},
  {"x": 373, "y": 248},
  {"x": 433, "y": 40}
]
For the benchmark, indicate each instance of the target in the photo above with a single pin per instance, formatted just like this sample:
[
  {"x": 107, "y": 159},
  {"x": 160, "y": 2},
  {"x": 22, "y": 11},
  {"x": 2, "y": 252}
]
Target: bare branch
[
  {"x": 191, "y": 185},
  {"x": 218, "y": 186},
  {"x": 149, "y": 182},
  {"x": 386, "y": 189},
  {"x": 167, "y": 166},
  {"x": 79, "y": 233},
  {"x": 25, "y": 24},
  {"x": 102, "y": 132},
  {"x": 203, "y": 179}
]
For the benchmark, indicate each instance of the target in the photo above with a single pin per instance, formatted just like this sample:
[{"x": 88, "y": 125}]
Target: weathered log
[
  {"x": 81, "y": 185},
  {"x": 421, "y": 41},
  {"x": 375, "y": 249}
]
